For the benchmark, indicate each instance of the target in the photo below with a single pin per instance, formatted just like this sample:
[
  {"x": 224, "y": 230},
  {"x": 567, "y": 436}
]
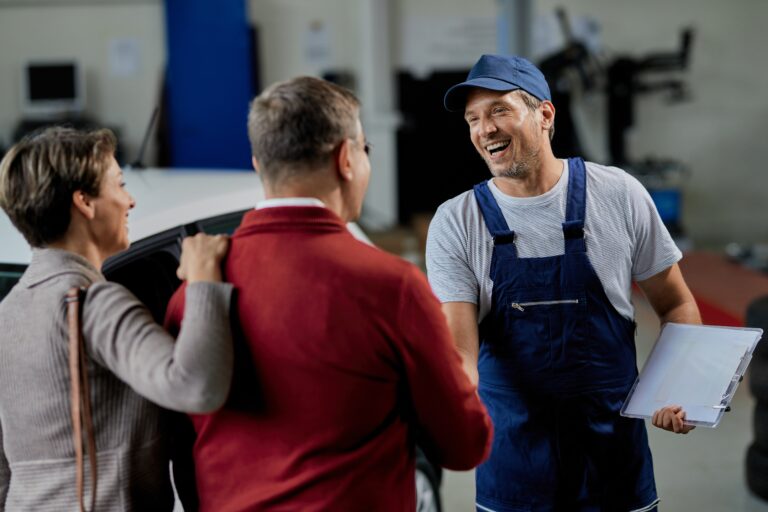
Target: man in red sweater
[{"x": 346, "y": 359}]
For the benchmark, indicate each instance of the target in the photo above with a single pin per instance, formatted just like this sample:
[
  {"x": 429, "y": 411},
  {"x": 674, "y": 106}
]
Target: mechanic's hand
[
  {"x": 671, "y": 418},
  {"x": 201, "y": 257}
]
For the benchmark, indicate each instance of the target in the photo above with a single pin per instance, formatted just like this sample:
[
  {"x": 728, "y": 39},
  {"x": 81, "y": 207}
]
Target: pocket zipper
[{"x": 520, "y": 306}]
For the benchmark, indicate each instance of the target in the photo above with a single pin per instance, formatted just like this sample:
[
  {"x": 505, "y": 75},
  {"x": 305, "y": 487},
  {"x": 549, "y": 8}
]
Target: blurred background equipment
[
  {"x": 575, "y": 69},
  {"x": 52, "y": 89},
  {"x": 52, "y": 92}
]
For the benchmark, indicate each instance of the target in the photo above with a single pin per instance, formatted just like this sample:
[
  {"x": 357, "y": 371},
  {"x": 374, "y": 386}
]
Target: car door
[
  {"x": 148, "y": 267},
  {"x": 9, "y": 276}
]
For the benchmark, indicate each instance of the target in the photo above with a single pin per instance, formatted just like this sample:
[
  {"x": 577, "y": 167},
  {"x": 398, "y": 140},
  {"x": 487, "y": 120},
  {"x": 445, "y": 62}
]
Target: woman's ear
[{"x": 83, "y": 203}]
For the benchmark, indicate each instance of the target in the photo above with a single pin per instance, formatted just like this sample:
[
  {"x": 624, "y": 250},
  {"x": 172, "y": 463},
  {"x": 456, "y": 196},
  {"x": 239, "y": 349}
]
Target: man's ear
[
  {"x": 343, "y": 160},
  {"x": 547, "y": 114},
  {"x": 256, "y": 166},
  {"x": 83, "y": 203}
]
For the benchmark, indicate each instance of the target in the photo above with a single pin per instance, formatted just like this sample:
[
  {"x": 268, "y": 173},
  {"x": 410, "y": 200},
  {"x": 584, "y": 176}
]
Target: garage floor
[{"x": 702, "y": 471}]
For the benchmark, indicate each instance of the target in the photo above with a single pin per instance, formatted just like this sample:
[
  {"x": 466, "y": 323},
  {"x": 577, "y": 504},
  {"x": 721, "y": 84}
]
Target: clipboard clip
[{"x": 738, "y": 378}]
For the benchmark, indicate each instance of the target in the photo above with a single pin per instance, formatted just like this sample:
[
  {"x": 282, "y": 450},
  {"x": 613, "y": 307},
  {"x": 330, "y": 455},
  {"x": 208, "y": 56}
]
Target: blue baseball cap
[{"x": 499, "y": 73}]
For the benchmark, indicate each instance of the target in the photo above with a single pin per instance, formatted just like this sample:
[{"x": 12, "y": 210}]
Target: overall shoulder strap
[
  {"x": 493, "y": 217},
  {"x": 573, "y": 227}
]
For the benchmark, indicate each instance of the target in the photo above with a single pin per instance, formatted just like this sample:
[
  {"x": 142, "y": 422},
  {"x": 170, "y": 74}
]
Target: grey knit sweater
[{"x": 132, "y": 361}]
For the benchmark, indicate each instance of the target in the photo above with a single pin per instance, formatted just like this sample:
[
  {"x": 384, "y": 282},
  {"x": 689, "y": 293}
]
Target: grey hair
[{"x": 294, "y": 125}]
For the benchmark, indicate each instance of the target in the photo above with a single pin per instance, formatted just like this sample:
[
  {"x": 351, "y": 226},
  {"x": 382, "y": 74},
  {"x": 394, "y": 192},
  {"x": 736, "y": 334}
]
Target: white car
[{"x": 172, "y": 204}]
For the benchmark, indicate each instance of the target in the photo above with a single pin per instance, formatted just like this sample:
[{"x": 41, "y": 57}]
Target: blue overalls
[{"x": 556, "y": 363}]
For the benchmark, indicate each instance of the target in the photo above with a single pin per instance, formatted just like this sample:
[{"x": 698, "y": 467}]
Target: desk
[{"x": 723, "y": 289}]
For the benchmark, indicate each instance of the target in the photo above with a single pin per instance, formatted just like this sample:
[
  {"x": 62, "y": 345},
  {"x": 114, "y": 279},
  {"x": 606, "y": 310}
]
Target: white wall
[
  {"x": 85, "y": 32},
  {"x": 283, "y": 25},
  {"x": 718, "y": 134}
]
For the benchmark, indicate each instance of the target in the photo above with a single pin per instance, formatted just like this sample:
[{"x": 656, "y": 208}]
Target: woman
[{"x": 63, "y": 190}]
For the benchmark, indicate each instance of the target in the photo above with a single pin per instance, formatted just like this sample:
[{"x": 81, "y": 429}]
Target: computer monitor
[{"x": 52, "y": 88}]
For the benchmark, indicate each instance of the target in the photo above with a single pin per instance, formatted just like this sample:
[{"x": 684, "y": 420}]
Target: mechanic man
[
  {"x": 534, "y": 269},
  {"x": 345, "y": 355}
]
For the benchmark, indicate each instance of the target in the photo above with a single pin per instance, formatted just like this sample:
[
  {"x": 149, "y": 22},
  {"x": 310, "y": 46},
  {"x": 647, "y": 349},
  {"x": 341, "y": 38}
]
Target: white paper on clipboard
[{"x": 695, "y": 366}]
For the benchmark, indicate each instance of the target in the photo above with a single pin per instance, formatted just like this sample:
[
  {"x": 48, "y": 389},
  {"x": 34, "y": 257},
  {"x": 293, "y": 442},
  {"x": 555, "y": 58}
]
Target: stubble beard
[{"x": 522, "y": 167}]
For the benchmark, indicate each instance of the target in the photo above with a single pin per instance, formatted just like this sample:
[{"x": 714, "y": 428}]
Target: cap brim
[{"x": 456, "y": 98}]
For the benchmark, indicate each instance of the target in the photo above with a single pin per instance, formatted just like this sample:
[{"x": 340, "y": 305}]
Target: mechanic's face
[
  {"x": 110, "y": 223},
  {"x": 505, "y": 131}
]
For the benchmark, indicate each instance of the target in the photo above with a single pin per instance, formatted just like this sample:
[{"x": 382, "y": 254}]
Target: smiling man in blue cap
[{"x": 534, "y": 268}]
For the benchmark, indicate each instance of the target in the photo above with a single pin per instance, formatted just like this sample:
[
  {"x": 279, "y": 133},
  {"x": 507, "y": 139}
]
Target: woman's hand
[
  {"x": 201, "y": 257},
  {"x": 671, "y": 418}
]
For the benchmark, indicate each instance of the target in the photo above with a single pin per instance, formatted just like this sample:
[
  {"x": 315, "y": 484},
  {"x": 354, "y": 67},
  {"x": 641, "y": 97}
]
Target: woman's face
[{"x": 110, "y": 223}]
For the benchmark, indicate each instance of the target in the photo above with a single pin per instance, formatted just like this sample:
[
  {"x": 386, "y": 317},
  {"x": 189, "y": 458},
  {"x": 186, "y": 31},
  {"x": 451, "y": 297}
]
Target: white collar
[{"x": 289, "y": 201}]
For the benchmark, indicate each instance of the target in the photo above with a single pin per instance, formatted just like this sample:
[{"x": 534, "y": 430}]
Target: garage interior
[{"x": 673, "y": 91}]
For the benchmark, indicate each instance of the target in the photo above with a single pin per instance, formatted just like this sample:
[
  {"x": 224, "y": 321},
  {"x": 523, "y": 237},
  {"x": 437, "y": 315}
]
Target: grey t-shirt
[{"x": 624, "y": 235}]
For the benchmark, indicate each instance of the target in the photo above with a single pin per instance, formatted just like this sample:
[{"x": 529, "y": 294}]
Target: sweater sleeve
[
  {"x": 192, "y": 374},
  {"x": 5, "y": 472},
  {"x": 455, "y": 429}
]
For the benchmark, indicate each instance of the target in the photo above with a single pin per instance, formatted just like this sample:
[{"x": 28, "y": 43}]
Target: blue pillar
[{"x": 209, "y": 83}]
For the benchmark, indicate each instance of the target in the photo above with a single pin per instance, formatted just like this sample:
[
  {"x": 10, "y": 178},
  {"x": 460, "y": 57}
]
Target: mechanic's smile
[{"x": 496, "y": 148}]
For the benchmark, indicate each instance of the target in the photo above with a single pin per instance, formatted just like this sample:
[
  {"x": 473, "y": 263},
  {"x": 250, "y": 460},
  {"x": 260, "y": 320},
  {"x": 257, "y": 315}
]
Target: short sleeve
[
  {"x": 447, "y": 257},
  {"x": 654, "y": 249}
]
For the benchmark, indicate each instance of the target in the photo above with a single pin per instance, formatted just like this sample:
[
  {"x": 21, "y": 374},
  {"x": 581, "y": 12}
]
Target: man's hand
[
  {"x": 671, "y": 418},
  {"x": 201, "y": 257}
]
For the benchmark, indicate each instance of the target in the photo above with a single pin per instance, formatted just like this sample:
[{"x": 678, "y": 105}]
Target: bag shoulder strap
[{"x": 80, "y": 396}]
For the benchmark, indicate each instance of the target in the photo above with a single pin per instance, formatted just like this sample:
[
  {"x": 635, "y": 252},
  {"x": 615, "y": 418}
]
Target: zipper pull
[{"x": 517, "y": 306}]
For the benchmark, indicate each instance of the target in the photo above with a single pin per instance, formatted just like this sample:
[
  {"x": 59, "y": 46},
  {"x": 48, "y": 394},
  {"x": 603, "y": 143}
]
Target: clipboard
[{"x": 696, "y": 366}]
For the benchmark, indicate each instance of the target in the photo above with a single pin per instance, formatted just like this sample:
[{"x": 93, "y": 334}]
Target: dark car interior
[
  {"x": 148, "y": 268},
  {"x": 9, "y": 276}
]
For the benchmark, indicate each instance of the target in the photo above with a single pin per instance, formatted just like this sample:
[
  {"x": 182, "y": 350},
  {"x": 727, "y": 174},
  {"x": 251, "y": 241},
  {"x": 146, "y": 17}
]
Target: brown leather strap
[{"x": 80, "y": 397}]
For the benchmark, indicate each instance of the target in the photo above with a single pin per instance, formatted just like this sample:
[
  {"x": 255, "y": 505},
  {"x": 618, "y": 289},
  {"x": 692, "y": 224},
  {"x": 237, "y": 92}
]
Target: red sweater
[{"x": 344, "y": 361}]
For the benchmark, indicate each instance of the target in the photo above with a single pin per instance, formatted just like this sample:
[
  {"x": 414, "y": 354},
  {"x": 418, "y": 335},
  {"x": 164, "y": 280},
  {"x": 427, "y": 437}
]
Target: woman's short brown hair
[{"x": 39, "y": 174}]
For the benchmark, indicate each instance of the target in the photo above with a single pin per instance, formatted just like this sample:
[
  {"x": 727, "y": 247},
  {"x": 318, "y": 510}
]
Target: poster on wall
[{"x": 445, "y": 42}]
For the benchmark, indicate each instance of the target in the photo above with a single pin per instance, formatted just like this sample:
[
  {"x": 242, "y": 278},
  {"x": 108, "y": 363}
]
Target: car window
[
  {"x": 9, "y": 276},
  {"x": 151, "y": 278},
  {"x": 221, "y": 224},
  {"x": 148, "y": 269}
]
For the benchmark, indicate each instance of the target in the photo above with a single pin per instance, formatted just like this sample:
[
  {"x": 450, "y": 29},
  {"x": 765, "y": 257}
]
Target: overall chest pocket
[{"x": 545, "y": 332}]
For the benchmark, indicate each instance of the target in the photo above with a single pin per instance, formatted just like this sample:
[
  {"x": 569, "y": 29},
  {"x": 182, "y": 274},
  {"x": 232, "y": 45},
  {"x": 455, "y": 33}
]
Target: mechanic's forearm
[
  {"x": 684, "y": 313},
  {"x": 462, "y": 322},
  {"x": 469, "y": 363}
]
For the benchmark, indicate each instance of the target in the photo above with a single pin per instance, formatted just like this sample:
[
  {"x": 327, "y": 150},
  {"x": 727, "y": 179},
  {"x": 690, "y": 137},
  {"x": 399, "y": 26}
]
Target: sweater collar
[
  {"x": 289, "y": 201},
  {"x": 48, "y": 263},
  {"x": 292, "y": 218}
]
